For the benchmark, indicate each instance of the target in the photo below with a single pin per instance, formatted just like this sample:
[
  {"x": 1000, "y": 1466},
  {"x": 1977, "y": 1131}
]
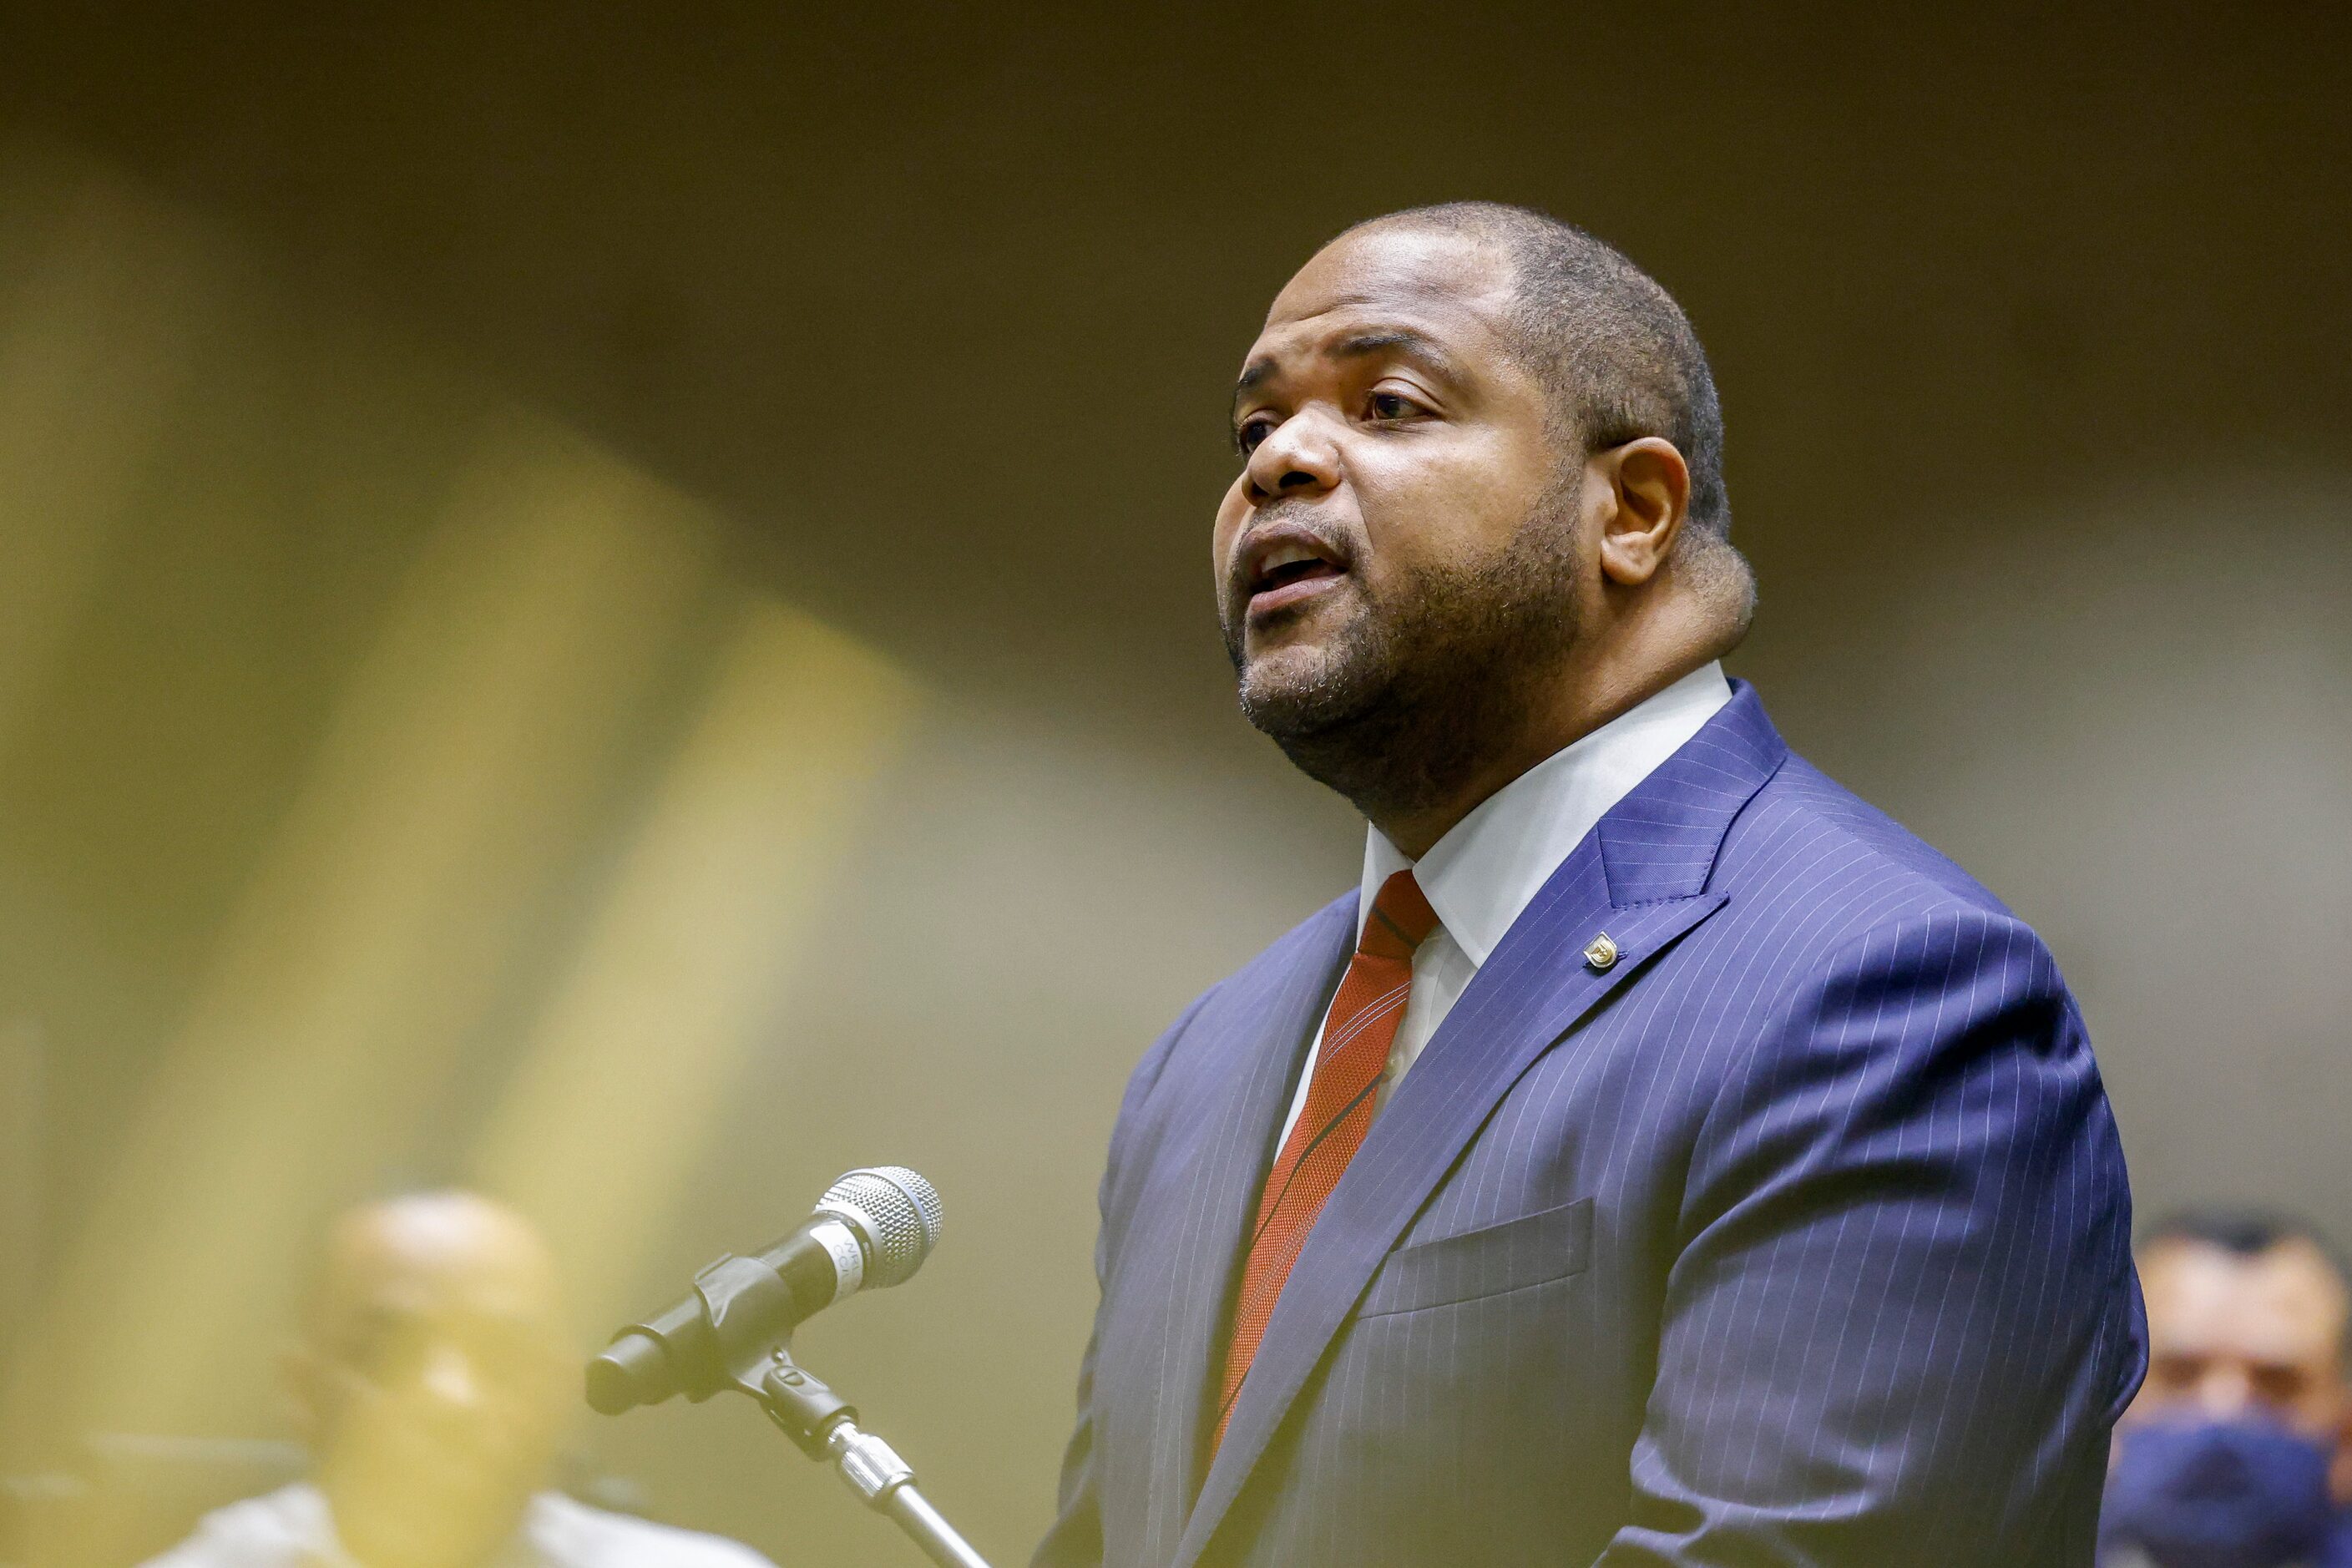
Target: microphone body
[{"x": 873, "y": 1229}]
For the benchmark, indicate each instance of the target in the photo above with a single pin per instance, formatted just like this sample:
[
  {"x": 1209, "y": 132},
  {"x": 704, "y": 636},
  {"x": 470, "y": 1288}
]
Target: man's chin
[{"x": 1300, "y": 692}]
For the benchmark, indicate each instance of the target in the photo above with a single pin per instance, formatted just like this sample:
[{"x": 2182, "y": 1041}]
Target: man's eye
[
  {"x": 1394, "y": 406},
  {"x": 2280, "y": 1385},
  {"x": 1252, "y": 433}
]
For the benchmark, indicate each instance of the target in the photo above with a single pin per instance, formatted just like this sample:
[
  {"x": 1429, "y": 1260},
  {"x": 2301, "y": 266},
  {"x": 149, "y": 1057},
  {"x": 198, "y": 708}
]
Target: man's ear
[{"x": 1643, "y": 508}]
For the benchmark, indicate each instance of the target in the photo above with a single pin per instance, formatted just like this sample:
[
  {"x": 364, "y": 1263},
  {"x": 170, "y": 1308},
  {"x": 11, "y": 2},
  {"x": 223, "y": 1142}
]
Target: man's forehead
[
  {"x": 1450, "y": 287},
  {"x": 429, "y": 1257},
  {"x": 2284, "y": 1301}
]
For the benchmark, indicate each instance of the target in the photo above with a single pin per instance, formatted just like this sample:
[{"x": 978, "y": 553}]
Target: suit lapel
[
  {"x": 1201, "y": 1200},
  {"x": 1642, "y": 878}
]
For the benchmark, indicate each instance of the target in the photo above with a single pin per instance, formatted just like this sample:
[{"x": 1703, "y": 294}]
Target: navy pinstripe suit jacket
[{"x": 1799, "y": 1234}]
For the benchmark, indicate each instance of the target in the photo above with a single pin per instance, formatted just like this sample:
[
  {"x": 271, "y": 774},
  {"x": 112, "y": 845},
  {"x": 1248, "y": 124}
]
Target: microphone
[{"x": 871, "y": 1229}]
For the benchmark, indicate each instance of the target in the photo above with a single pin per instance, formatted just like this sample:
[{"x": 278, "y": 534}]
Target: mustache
[{"x": 1342, "y": 544}]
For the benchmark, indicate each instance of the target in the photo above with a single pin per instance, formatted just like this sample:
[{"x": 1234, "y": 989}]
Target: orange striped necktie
[{"x": 1348, "y": 1067}]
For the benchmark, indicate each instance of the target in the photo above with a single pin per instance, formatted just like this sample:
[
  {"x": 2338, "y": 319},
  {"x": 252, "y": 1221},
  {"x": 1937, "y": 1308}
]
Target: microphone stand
[
  {"x": 728, "y": 1338},
  {"x": 824, "y": 1426}
]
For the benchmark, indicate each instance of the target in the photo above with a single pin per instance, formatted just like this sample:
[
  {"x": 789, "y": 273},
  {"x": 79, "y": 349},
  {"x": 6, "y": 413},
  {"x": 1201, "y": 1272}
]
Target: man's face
[
  {"x": 1402, "y": 514},
  {"x": 435, "y": 1379},
  {"x": 2230, "y": 1335}
]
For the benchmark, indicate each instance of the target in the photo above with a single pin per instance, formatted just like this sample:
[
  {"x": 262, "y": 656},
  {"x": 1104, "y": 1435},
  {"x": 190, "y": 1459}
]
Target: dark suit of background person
[{"x": 1756, "y": 1201}]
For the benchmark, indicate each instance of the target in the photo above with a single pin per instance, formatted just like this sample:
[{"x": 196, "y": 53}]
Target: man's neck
[{"x": 1579, "y": 706}]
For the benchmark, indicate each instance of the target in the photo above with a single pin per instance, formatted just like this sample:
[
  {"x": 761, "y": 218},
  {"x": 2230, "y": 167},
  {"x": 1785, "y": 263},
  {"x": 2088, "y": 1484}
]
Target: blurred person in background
[
  {"x": 433, "y": 1382},
  {"x": 2235, "y": 1455}
]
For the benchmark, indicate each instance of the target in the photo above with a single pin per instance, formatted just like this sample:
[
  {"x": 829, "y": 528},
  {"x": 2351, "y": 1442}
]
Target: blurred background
[{"x": 613, "y": 608}]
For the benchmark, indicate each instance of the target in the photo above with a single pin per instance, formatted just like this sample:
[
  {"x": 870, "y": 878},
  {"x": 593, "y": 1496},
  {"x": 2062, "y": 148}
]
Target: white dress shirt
[
  {"x": 1494, "y": 862},
  {"x": 291, "y": 1528}
]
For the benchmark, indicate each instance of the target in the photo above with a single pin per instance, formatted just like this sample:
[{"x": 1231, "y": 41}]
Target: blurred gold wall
[
  {"x": 409, "y": 769},
  {"x": 399, "y": 788},
  {"x": 617, "y": 612}
]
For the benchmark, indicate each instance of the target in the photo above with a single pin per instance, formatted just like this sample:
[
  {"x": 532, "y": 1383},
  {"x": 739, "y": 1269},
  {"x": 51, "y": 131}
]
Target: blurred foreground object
[
  {"x": 2235, "y": 1453},
  {"x": 433, "y": 1382}
]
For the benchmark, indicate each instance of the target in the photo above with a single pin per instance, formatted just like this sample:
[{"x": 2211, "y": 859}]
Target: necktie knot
[{"x": 1401, "y": 920}]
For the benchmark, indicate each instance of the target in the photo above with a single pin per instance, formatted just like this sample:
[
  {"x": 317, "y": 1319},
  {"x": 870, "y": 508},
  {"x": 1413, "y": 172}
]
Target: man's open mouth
[{"x": 1287, "y": 572}]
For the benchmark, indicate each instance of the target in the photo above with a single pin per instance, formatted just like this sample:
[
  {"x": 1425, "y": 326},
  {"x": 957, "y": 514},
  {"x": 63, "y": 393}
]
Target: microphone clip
[{"x": 802, "y": 1405}]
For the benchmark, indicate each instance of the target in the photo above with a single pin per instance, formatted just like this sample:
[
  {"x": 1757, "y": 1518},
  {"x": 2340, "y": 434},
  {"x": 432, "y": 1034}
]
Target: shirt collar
[{"x": 1494, "y": 862}]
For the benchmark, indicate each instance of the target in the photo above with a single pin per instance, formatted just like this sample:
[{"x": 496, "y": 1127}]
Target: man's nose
[
  {"x": 451, "y": 1380},
  {"x": 1299, "y": 457}
]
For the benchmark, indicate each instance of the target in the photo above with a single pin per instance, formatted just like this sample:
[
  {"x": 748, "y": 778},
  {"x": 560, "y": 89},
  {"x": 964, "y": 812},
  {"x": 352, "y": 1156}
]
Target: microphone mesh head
[{"x": 898, "y": 1212}]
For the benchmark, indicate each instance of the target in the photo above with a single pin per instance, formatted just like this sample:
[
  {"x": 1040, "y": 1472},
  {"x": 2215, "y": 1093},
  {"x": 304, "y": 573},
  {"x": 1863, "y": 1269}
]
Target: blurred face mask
[{"x": 2216, "y": 1494}]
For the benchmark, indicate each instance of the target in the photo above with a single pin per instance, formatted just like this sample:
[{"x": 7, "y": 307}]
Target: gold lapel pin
[{"x": 1600, "y": 952}]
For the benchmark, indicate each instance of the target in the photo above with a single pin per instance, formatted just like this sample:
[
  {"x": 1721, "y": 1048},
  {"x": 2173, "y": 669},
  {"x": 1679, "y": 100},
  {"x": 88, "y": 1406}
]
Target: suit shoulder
[
  {"x": 1282, "y": 954},
  {"x": 1833, "y": 884},
  {"x": 1867, "y": 957},
  {"x": 1274, "y": 966},
  {"x": 1808, "y": 840},
  {"x": 1246, "y": 989}
]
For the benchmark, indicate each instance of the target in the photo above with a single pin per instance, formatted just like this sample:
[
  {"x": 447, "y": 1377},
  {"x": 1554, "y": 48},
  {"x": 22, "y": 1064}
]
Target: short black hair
[
  {"x": 2245, "y": 1231},
  {"x": 1606, "y": 337}
]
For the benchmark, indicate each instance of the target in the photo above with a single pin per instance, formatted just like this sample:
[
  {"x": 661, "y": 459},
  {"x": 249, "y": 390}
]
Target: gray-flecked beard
[{"x": 1423, "y": 689}]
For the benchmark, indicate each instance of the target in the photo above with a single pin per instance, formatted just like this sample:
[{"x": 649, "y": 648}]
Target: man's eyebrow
[
  {"x": 1386, "y": 340},
  {"x": 1355, "y": 345}
]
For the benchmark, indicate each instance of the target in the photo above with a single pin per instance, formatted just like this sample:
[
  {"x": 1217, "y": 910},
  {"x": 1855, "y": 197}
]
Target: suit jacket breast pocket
[{"x": 1529, "y": 1250}]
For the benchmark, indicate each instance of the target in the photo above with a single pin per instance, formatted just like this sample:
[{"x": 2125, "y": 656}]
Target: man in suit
[{"x": 1662, "y": 1158}]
